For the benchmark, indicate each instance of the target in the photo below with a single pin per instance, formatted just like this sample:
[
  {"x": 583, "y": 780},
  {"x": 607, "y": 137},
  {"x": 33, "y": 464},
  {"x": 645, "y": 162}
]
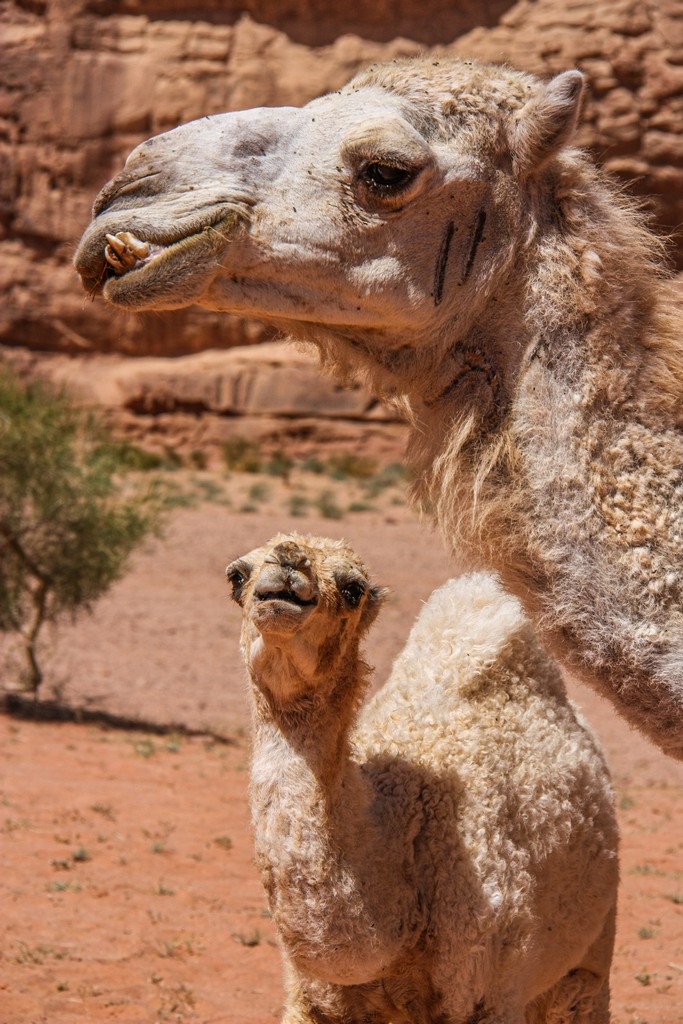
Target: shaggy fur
[
  {"x": 449, "y": 854},
  {"x": 430, "y": 228}
]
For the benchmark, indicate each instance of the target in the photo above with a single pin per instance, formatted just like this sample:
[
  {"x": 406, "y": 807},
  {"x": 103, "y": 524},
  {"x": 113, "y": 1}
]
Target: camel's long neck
[
  {"x": 321, "y": 845},
  {"x": 309, "y": 734},
  {"x": 572, "y": 491}
]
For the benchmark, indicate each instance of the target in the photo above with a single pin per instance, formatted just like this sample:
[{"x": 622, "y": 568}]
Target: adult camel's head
[{"x": 379, "y": 221}]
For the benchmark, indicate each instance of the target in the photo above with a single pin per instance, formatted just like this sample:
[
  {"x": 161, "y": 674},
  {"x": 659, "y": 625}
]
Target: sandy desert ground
[{"x": 128, "y": 888}]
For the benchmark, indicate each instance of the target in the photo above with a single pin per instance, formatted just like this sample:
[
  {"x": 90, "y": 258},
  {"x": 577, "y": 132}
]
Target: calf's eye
[
  {"x": 237, "y": 576},
  {"x": 352, "y": 592}
]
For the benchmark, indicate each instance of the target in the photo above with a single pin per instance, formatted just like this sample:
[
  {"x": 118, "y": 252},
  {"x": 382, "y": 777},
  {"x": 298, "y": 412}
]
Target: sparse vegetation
[
  {"x": 342, "y": 465},
  {"x": 252, "y": 939},
  {"x": 392, "y": 475},
  {"x": 145, "y": 748},
  {"x": 65, "y": 529},
  {"x": 259, "y": 492},
  {"x": 123, "y": 454},
  {"x": 298, "y": 505},
  {"x": 106, "y": 810},
  {"x": 328, "y": 506},
  {"x": 313, "y": 465},
  {"x": 280, "y": 464},
  {"x": 198, "y": 458},
  {"x": 225, "y": 842},
  {"x": 348, "y": 471},
  {"x": 242, "y": 455}
]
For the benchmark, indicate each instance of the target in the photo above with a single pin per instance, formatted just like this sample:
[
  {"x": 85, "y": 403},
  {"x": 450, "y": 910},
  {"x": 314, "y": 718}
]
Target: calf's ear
[
  {"x": 546, "y": 123},
  {"x": 373, "y": 602}
]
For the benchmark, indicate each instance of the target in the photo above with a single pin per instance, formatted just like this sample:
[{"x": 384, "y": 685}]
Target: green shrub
[
  {"x": 390, "y": 475},
  {"x": 279, "y": 464},
  {"x": 328, "y": 507},
  {"x": 260, "y": 491},
  {"x": 347, "y": 464},
  {"x": 298, "y": 505},
  {"x": 242, "y": 455},
  {"x": 198, "y": 458},
  {"x": 312, "y": 464},
  {"x": 121, "y": 454},
  {"x": 65, "y": 530},
  {"x": 361, "y": 506}
]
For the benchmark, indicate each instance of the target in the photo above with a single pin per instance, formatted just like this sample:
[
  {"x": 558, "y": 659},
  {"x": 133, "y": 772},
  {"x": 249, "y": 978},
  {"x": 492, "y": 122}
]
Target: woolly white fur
[{"x": 457, "y": 861}]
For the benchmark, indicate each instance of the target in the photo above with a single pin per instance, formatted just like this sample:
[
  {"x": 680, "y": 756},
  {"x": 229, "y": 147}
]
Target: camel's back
[
  {"x": 475, "y": 716},
  {"x": 474, "y": 726},
  {"x": 476, "y": 703},
  {"x": 471, "y": 684}
]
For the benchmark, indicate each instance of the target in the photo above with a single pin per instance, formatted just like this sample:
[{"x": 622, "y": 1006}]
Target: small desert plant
[
  {"x": 328, "y": 506},
  {"x": 312, "y": 464},
  {"x": 225, "y": 842},
  {"x": 280, "y": 464},
  {"x": 343, "y": 465},
  {"x": 65, "y": 531},
  {"x": 122, "y": 454},
  {"x": 298, "y": 504},
  {"x": 259, "y": 491},
  {"x": 391, "y": 475},
  {"x": 242, "y": 455}
]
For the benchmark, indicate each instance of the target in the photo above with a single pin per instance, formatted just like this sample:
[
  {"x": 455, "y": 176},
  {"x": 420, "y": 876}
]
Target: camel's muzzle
[
  {"x": 286, "y": 583},
  {"x": 130, "y": 266}
]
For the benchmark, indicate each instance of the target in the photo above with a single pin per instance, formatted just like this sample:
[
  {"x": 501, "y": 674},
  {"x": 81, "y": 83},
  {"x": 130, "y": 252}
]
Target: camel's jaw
[{"x": 138, "y": 266}]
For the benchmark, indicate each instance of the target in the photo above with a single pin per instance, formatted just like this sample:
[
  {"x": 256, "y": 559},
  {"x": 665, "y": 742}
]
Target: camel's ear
[
  {"x": 373, "y": 603},
  {"x": 547, "y": 122}
]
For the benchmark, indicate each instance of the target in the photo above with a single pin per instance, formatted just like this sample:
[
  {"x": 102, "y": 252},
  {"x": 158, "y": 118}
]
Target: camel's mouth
[
  {"x": 125, "y": 253},
  {"x": 282, "y": 611},
  {"x": 129, "y": 267},
  {"x": 287, "y": 597}
]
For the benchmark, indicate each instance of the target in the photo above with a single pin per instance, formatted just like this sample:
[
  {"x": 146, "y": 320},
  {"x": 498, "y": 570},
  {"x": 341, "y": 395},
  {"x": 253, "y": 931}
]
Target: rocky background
[{"x": 83, "y": 81}]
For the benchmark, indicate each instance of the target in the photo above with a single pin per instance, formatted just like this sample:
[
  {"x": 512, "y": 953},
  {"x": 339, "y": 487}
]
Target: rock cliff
[{"x": 83, "y": 81}]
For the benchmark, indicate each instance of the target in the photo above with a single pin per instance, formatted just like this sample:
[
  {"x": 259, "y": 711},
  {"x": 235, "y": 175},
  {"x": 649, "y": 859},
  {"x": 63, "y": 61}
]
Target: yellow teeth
[{"x": 124, "y": 250}]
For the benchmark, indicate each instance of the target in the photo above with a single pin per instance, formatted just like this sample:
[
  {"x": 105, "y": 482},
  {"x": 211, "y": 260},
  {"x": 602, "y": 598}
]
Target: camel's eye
[
  {"x": 237, "y": 575},
  {"x": 385, "y": 177},
  {"x": 352, "y": 592}
]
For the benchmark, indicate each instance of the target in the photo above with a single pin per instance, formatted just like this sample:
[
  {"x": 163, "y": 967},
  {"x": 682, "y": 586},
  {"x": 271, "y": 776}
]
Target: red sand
[{"x": 128, "y": 891}]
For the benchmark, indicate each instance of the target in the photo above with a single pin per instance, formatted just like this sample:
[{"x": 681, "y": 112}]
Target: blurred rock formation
[{"x": 83, "y": 81}]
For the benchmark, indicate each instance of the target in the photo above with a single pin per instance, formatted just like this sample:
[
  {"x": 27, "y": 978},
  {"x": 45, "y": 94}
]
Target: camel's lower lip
[{"x": 280, "y": 615}]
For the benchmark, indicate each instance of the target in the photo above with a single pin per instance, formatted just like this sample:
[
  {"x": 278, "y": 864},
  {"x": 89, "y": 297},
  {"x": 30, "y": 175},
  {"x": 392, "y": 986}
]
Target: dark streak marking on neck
[
  {"x": 477, "y": 234},
  {"x": 441, "y": 262}
]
